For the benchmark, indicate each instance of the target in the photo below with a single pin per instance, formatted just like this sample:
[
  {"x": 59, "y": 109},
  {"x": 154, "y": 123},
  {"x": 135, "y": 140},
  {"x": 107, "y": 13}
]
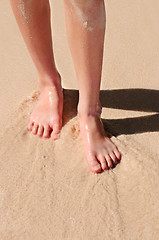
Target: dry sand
[{"x": 47, "y": 191}]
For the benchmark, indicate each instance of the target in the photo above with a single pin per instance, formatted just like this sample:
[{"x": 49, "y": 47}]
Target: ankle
[
  {"x": 91, "y": 110},
  {"x": 47, "y": 81}
]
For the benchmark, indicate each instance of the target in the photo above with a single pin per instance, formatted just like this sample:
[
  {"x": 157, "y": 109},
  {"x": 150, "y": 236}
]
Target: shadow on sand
[{"x": 145, "y": 100}]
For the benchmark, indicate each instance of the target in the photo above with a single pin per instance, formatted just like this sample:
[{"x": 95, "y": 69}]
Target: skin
[
  {"x": 46, "y": 118},
  {"x": 85, "y": 25},
  {"x": 86, "y": 45}
]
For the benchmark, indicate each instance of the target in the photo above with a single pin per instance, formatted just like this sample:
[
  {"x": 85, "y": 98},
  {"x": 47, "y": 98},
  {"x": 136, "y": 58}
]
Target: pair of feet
[{"x": 46, "y": 121}]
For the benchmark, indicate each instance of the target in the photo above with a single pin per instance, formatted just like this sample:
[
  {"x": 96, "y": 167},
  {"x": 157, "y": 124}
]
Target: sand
[{"x": 46, "y": 188}]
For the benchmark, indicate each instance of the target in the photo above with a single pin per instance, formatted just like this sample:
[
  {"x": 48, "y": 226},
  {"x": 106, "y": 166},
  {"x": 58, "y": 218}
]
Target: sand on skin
[{"x": 46, "y": 189}]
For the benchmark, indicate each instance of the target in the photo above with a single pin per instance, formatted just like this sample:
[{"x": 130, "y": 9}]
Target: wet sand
[{"x": 46, "y": 188}]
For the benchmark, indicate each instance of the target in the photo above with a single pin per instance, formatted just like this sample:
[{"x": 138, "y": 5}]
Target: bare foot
[
  {"x": 101, "y": 152},
  {"x": 46, "y": 118}
]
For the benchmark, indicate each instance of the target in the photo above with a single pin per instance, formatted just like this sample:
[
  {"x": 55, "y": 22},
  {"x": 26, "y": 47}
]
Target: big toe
[{"x": 94, "y": 164}]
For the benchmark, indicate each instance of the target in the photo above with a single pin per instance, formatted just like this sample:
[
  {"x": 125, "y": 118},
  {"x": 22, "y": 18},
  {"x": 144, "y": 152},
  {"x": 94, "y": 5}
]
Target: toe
[
  {"x": 56, "y": 128},
  {"x": 46, "y": 133},
  {"x": 113, "y": 157},
  {"x": 93, "y": 164},
  {"x": 109, "y": 161},
  {"x": 40, "y": 130},
  {"x": 35, "y": 128},
  {"x": 30, "y": 125},
  {"x": 117, "y": 153},
  {"x": 103, "y": 162}
]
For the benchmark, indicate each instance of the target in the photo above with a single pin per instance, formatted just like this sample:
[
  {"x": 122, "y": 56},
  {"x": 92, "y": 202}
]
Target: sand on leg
[
  {"x": 33, "y": 18},
  {"x": 85, "y": 26}
]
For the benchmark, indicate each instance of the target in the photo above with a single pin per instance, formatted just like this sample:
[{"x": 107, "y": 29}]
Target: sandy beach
[{"x": 47, "y": 191}]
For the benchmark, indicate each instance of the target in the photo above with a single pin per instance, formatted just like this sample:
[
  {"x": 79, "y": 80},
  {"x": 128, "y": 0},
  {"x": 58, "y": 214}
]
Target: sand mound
[{"x": 48, "y": 192}]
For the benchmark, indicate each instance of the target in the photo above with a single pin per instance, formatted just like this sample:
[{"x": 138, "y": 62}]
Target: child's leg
[
  {"x": 85, "y": 24},
  {"x": 33, "y": 18}
]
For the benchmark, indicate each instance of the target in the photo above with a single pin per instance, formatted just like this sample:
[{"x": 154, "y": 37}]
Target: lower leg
[
  {"x": 85, "y": 24},
  {"x": 33, "y": 18}
]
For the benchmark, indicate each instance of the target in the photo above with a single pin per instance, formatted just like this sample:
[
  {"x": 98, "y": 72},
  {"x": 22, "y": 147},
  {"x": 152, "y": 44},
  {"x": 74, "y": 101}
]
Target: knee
[
  {"x": 84, "y": 5},
  {"x": 90, "y": 12},
  {"x": 26, "y": 5}
]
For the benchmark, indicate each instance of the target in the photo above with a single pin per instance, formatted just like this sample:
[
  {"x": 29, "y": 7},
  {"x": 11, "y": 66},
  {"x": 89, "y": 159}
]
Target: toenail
[{"x": 97, "y": 169}]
